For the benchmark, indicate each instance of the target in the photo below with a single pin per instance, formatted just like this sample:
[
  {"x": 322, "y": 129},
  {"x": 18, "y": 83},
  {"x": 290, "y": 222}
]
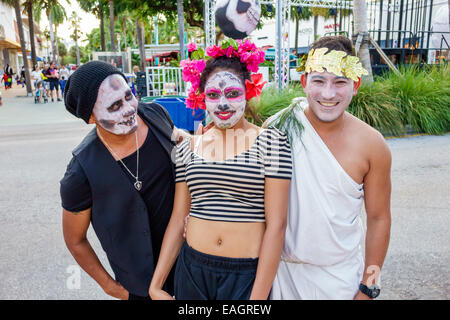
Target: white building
[
  {"x": 10, "y": 49},
  {"x": 267, "y": 35}
]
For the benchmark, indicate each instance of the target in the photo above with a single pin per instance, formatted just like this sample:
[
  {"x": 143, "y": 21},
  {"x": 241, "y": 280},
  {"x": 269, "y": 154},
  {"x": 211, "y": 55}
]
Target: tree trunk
[
  {"x": 22, "y": 45},
  {"x": 56, "y": 41},
  {"x": 180, "y": 12},
  {"x": 316, "y": 22},
  {"x": 102, "y": 28},
  {"x": 77, "y": 47},
  {"x": 111, "y": 25},
  {"x": 296, "y": 34},
  {"x": 360, "y": 27},
  {"x": 140, "y": 36},
  {"x": 124, "y": 25},
  {"x": 29, "y": 5},
  {"x": 52, "y": 37}
]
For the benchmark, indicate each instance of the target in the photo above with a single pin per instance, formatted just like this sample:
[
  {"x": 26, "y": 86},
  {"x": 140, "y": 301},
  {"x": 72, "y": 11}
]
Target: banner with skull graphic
[{"x": 237, "y": 18}]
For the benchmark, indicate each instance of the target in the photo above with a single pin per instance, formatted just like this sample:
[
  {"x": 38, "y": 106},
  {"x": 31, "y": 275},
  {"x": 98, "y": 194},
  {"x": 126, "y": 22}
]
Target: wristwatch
[{"x": 372, "y": 292}]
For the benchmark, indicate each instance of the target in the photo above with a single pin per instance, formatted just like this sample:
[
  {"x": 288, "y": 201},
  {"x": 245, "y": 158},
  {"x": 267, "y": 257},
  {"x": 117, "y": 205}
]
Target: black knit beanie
[{"x": 81, "y": 90}]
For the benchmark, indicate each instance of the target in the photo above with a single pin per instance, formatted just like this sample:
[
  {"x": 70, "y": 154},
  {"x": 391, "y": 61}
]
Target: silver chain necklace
[{"x": 137, "y": 184}]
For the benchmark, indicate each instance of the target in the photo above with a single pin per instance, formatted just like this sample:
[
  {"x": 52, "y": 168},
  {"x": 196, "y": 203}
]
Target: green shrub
[
  {"x": 271, "y": 102},
  {"x": 377, "y": 107},
  {"x": 419, "y": 98},
  {"x": 423, "y": 97}
]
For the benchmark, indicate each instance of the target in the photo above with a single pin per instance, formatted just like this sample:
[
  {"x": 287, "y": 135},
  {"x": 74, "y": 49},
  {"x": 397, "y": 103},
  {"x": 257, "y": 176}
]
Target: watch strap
[{"x": 371, "y": 293}]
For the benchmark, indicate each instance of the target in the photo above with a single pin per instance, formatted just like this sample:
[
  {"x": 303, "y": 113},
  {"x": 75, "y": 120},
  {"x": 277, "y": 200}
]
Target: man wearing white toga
[{"x": 339, "y": 164}]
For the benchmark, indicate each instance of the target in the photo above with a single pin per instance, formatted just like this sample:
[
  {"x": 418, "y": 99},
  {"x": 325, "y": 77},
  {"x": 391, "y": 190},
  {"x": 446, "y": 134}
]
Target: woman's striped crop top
[{"x": 233, "y": 189}]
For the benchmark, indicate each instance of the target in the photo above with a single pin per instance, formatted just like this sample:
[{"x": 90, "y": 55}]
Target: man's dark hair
[
  {"x": 233, "y": 64},
  {"x": 340, "y": 43}
]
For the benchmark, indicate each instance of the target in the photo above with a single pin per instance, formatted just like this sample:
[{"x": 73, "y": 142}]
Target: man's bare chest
[{"x": 351, "y": 156}]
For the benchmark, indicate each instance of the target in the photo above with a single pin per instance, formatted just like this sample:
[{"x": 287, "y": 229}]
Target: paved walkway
[{"x": 18, "y": 109}]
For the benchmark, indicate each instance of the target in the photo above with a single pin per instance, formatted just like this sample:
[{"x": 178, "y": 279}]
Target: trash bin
[{"x": 182, "y": 117}]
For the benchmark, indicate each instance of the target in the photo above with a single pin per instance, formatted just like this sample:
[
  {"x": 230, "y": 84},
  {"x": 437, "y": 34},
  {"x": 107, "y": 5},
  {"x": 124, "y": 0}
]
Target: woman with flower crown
[{"x": 233, "y": 182}]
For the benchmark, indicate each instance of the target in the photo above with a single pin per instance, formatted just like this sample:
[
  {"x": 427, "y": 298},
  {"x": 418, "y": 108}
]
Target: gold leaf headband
[{"x": 337, "y": 62}]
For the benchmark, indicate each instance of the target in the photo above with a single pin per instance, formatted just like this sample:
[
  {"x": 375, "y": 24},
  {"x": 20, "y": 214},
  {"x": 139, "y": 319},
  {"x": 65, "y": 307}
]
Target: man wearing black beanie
[{"x": 120, "y": 179}]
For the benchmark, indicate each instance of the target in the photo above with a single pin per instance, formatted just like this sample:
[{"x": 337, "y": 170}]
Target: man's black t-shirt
[
  {"x": 49, "y": 74},
  {"x": 155, "y": 173}
]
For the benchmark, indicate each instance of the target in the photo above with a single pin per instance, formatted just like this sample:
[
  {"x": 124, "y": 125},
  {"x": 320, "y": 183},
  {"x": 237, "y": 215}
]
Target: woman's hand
[{"x": 159, "y": 294}]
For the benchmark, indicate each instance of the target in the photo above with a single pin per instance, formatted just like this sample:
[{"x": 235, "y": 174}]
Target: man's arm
[
  {"x": 75, "y": 226},
  {"x": 377, "y": 198}
]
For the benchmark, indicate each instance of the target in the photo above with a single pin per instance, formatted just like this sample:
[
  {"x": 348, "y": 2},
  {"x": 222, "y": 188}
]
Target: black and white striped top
[{"x": 233, "y": 189}]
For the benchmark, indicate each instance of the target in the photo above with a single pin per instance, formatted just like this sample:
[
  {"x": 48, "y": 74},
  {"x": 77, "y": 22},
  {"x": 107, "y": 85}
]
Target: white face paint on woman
[
  {"x": 225, "y": 99},
  {"x": 116, "y": 106}
]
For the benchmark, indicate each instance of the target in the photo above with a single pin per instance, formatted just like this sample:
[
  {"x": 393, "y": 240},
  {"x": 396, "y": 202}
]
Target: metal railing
[
  {"x": 401, "y": 39},
  {"x": 399, "y": 42},
  {"x": 422, "y": 34},
  {"x": 442, "y": 41},
  {"x": 393, "y": 39},
  {"x": 333, "y": 33},
  {"x": 165, "y": 81}
]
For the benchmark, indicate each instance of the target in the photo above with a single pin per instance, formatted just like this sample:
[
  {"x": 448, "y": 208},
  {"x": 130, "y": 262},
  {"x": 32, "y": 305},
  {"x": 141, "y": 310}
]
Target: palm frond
[{"x": 287, "y": 121}]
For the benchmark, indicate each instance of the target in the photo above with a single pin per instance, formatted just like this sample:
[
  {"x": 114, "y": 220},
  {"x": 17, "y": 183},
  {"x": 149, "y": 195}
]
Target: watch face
[{"x": 375, "y": 291}]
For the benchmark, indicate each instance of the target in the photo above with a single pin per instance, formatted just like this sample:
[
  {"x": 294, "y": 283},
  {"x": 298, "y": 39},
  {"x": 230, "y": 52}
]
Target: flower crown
[
  {"x": 246, "y": 51},
  {"x": 335, "y": 61}
]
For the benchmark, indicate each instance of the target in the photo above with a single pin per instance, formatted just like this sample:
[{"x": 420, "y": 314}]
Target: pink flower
[
  {"x": 192, "y": 70},
  {"x": 214, "y": 51},
  {"x": 246, "y": 46},
  {"x": 253, "y": 59},
  {"x": 200, "y": 65},
  {"x": 230, "y": 52},
  {"x": 191, "y": 47}
]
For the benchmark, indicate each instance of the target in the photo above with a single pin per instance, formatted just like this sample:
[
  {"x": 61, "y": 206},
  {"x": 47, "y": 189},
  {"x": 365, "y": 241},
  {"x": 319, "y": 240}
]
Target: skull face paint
[
  {"x": 225, "y": 99},
  {"x": 116, "y": 106}
]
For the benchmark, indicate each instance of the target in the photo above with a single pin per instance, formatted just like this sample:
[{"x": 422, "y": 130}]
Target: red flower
[
  {"x": 195, "y": 100},
  {"x": 254, "y": 88}
]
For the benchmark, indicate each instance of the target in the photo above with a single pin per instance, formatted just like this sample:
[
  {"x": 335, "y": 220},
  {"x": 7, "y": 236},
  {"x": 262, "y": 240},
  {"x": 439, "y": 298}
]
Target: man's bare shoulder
[{"x": 370, "y": 139}]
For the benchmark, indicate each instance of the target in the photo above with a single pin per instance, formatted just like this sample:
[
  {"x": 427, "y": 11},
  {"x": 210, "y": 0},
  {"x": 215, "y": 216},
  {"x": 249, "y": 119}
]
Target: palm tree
[
  {"x": 316, "y": 12},
  {"x": 360, "y": 27},
  {"x": 111, "y": 24},
  {"x": 139, "y": 12},
  {"x": 141, "y": 43},
  {"x": 298, "y": 14},
  {"x": 75, "y": 22},
  {"x": 54, "y": 11},
  {"x": 58, "y": 14},
  {"x": 29, "y": 7},
  {"x": 180, "y": 13},
  {"x": 97, "y": 7},
  {"x": 17, "y": 9}
]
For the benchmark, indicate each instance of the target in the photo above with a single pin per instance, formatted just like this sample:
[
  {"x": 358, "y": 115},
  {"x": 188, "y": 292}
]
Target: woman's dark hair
[
  {"x": 233, "y": 64},
  {"x": 340, "y": 43}
]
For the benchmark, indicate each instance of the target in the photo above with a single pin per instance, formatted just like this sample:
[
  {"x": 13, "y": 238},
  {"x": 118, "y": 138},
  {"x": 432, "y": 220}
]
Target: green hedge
[{"x": 422, "y": 97}]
